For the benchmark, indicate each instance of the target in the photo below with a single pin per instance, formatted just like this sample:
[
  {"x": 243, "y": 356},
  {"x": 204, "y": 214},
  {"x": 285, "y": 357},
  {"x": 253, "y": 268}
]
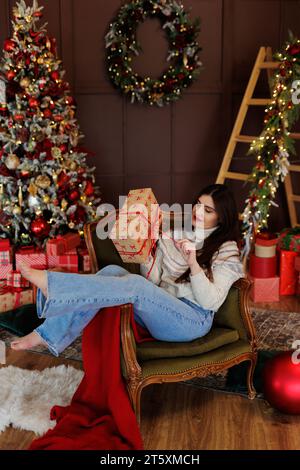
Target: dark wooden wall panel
[{"x": 178, "y": 149}]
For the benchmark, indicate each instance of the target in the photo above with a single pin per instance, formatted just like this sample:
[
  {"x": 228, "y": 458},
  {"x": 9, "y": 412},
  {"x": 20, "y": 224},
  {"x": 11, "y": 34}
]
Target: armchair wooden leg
[
  {"x": 250, "y": 372},
  {"x": 135, "y": 397}
]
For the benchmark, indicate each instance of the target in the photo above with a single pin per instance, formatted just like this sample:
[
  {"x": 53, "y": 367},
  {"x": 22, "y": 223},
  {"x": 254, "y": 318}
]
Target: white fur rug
[{"x": 26, "y": 397}]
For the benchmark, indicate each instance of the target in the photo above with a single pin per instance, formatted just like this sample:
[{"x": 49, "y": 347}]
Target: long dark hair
[{"x": 228, "y": 227}]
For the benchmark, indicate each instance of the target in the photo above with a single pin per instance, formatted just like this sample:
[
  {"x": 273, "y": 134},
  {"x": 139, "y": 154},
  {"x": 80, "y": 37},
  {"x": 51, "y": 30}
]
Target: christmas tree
[{"x": 46, "y": 187}]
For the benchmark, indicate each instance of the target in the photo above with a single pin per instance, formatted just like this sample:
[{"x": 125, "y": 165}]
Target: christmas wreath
[{"x": 181, "y": 33}]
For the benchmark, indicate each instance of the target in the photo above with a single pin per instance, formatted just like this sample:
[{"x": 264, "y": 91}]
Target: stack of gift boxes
[
  {"x": 67, "y": 251},
  {"x": 263, "y": 271},
  {"x": 273, "y": 266}
]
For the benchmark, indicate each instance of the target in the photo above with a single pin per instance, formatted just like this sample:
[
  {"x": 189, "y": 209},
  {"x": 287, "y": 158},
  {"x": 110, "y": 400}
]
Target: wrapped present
[
  {"x": 288, "y": 273},
  {"x": 263, "y": 251},
  {"x": 15, "y": 279},
  {"x": 63, "y": 243},
  {"x": 298, "y": 285},
  {"x": 4, "y": 244},
  {"x": 136, "y": 228},
  {"x": 262, "y": 267},
  {"x": 31, "y": 256},
  {"x": 68, "y": 261},
  {"x": 5, "y": 252},
  {"x": 84, "y": 260},
  {"x": 5, "y": 270},
  {"x": 265, "y": 289},
  {"x": 266, "y": 239},
  {"x": 12, "y": 298},
  {"x": 289, "y": 239},
  {"x": 5, "y": 257}
]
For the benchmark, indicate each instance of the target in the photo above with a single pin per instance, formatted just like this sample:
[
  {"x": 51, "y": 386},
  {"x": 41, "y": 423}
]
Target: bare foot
[
  {"x": 27, "y": 342},
  {"x": 36, "y": 277}
]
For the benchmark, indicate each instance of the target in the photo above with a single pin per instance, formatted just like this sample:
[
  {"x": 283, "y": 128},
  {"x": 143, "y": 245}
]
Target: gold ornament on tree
[
  {"x": 32, "y": 189},
  {"x": 56, "y": 152},
  {"x": 17, "y": 210},
  {"x": 64, "y": 204},
  {"x": 12, "y": 162},
  {"x": 25, "y": 82},
  {"x": 43, "y": 181},
  {"x": 20, "y": 197},
  {"x": 74, "y": 138}
]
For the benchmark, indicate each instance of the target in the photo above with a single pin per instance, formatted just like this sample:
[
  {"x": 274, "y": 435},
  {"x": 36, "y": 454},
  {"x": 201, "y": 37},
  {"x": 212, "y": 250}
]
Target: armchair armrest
[
  {"x": 133, "y": 369},
  {"x": 244, "y": 284}
]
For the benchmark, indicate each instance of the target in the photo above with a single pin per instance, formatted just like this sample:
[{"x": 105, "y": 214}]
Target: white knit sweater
[{"x": 170, "y": 264}]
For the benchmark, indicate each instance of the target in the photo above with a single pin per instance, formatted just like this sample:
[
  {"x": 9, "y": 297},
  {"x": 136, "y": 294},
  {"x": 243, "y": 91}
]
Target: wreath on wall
[{"x": 181, "y": 33}]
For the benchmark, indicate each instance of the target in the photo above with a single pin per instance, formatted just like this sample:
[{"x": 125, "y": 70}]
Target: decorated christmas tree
[{"x": 46, "y": 187}]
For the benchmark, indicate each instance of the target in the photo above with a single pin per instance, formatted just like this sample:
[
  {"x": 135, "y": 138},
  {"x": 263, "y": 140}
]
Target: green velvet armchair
[{"x": 231, "y": 340}]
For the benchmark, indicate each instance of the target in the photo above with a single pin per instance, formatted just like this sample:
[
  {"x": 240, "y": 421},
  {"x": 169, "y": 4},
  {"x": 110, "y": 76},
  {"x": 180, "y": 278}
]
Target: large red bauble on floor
[
  {"x": 281, "y": 380},
  {"x": 40, "y": 227}
]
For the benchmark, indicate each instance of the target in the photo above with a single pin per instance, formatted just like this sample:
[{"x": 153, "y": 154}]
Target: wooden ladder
[{"x": 263, "y": 61}]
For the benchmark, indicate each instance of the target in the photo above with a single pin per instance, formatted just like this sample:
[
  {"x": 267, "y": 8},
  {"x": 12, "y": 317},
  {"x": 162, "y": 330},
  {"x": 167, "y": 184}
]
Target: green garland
[
  {"x": 274, "y": 145},
  {"x": 121, "y": 43}
]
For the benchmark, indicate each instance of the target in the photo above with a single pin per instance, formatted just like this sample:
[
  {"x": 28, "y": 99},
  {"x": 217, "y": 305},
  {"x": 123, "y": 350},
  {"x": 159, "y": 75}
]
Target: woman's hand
[{"x": 188, "y": 251}]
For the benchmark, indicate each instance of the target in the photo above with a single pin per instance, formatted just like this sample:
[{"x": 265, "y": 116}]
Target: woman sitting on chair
[{"x": 177, "y": 301}]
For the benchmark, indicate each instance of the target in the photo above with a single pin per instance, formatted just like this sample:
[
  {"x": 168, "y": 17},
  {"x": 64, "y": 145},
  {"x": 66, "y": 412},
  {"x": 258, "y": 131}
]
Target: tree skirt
[{"x": 26, "y": 397}]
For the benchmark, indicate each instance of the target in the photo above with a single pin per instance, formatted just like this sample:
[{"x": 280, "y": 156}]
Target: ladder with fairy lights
[{"x": 263, "y": 62}]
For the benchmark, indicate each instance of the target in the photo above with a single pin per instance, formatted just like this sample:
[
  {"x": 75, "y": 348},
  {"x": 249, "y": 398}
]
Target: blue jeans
[{"x": 74, "y": 299}]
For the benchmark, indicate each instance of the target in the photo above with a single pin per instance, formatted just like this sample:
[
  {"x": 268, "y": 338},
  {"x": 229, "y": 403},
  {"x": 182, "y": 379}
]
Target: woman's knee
[{"x": 112, "y": 270}]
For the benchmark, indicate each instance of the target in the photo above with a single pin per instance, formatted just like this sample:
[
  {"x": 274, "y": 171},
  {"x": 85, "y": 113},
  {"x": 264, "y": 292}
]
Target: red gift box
[
  {"x": 15, "y": 279},
  {"x": 265, "y": 289},
  {"x": 68, "y": 261},
  {"x": 5, "y": 257},
  {"x": 288, "y": 273},
  {"x": 262, "y": 267},
  {"x": 4, "y": 244},
  {"x": 30, "y": 256},
  {"x": 5, "y": 270},
  {"x": 84, "y": 260},
  {"x": 266, "y": 240},
  {"x": 298, "y": 286},
  {"x": 62, "y": 244}
]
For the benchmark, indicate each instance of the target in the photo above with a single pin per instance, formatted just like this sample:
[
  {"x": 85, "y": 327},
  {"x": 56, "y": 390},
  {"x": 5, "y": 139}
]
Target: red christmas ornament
[
  {"x": 33, "y": 102},
  {"x": 63, "y": 148},
  {"x": 37, "y": 14},
  {"x": 281, "y": 379},
  {"x": 11, "y": 74},
  {"x": 9, "y": 45},
  {"x": 62, "y": 179},
  {"x": 79, "y": 215},
  {"x": 74, "y": 195},
  {"x": 294, "y": 49},
  {"x": 54, "y": 75},
  {"x": 40, "y": 227},
  {"x": 19, "y": 117},
  {"x": 69, "y": 100},
  {"x": 58, "y": 118},
  {"x": 47, "y": 114},
  {"x": 89, "y": 189}
]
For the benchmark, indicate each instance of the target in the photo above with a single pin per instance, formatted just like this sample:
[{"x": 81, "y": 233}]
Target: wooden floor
[{"x": 176, "y": 416}]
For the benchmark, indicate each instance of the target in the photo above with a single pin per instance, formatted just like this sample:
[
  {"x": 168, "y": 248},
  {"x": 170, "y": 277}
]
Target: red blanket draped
[{"x": 100, "y": 416}]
